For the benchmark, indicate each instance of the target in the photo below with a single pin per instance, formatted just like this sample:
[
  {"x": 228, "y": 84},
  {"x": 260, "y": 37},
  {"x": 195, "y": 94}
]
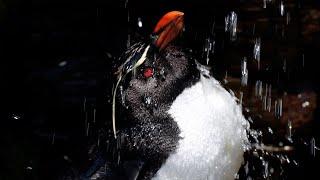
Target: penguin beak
[{"x": 168, "y": 28}]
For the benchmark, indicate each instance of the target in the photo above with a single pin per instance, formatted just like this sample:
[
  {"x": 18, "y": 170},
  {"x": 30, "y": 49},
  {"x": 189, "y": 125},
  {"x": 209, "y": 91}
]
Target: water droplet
[
  {"x": 271, "y": 170},
  {"x": 123, "y": 97},
  {"x": 280, "y": 108},
  {"x": 15, "y": 116},
  {"x": 256, "y": 51},
  {"x": 275, "y": 108},
  {"x": 256, "y": 92},
  {"x": 305, "y": 104},
  {"x": 109, "y": 55},
  {"x": 281, "y": 8},
  {"x": 280, "y": 144},
  {"x": 265, "y": 164},
  {"x": 208, "y": 48},
  {"x": 128, "y": 41},
  {"x": 246, "y": 168},
  {"x": 53, "y": 137},
  {"x": 284, "y": 65},
  {"x": 270, "y": 130},
  {"x": 88, "y": 128},
  {"x": 94, "y": 115},
  {"x": 241, "y": 97},
  {"x": 62, "y": 63},
  {"x": 244, "y": 72},
  {"x": 264, "y": 103},
  {"x": 288, "y": 18},
  {"x": 258, "y": 89},
  {"x": 312, "y": 147},
  {"x": 84, "y": 104},
  {"x": 139, "y": 23},
  {"x": 269, "y": 104},
  {"x": 65, "y": 157},
  {"x": 147, "y": 100},
  {"x": 289, "y": 131},
  {"x": 236, "y": 176},
  {"x": 225, "y": 79}
]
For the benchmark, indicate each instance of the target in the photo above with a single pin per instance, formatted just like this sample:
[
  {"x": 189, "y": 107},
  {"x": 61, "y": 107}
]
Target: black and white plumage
[
  {"x": 175, "y": 120},
  {"x": 181, "y": 123}
]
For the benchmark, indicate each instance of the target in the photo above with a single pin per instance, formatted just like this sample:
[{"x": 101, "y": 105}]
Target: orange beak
[{"x": 168, "y": 28}]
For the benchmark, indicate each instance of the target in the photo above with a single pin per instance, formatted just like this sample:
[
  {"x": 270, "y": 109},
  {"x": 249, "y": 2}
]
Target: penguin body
[
  {"x": 181, "y": 122},
  {"x": 175, "y": 118},
  {"x": 212, "y": 134}
]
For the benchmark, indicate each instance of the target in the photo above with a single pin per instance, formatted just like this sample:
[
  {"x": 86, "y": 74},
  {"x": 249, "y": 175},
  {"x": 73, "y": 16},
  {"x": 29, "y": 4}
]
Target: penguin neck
[{"x": 149, "y": 100}]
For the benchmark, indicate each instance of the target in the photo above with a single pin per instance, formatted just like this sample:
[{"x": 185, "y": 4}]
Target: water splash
[
  {"x": 231, "y": 22},
  {"x": 244, "y": 72},
  {"x": 256, "y": 51},
  {"x": 209, "y": 48}
]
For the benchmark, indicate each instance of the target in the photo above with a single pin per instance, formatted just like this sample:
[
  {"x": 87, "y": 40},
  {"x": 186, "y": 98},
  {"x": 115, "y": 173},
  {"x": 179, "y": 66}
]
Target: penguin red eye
[{"x": 148, "y": 72}]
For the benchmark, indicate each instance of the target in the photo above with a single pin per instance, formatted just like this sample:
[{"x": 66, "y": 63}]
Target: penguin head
[
  {"x": 157, "y": 83},
  {"x": 164, "y": 74}
]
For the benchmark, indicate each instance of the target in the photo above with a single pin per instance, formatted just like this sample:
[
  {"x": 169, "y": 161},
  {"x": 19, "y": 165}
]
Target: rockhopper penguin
[{"x": 172, "y": 115}]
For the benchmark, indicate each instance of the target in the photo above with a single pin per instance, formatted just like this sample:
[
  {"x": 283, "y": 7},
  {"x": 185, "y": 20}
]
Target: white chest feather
[{"x": 213, "y": 134}]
